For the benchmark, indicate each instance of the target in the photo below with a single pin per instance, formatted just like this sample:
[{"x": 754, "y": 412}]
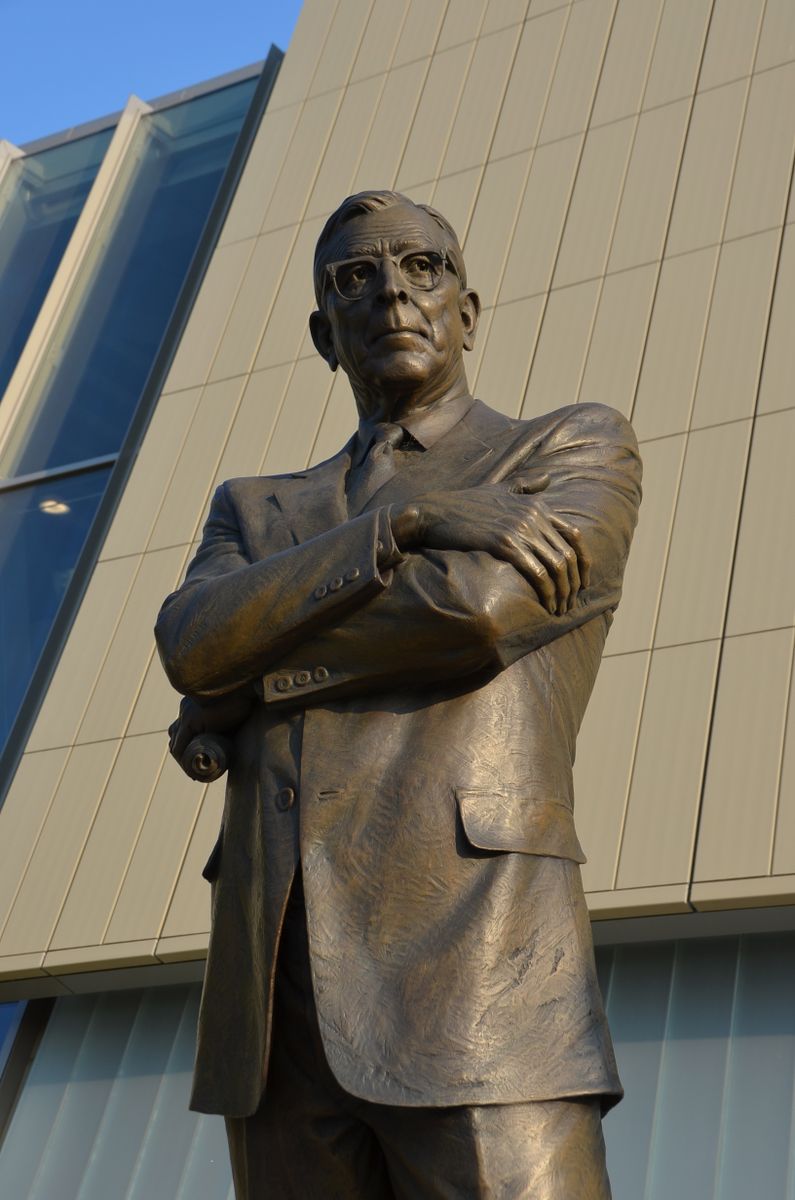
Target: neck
[{"x": 398, "y": 403}]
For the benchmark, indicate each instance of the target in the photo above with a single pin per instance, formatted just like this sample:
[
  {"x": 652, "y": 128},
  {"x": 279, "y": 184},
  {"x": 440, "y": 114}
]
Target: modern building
[{"x": 636, "y": 159}]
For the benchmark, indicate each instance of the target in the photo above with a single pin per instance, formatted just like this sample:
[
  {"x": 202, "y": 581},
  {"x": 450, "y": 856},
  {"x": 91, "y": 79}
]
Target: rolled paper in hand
[{"x": 206, "y": 757}]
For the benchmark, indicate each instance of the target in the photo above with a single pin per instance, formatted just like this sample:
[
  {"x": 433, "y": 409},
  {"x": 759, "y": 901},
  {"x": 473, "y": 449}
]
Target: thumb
[{"x": 525, "y": 487}]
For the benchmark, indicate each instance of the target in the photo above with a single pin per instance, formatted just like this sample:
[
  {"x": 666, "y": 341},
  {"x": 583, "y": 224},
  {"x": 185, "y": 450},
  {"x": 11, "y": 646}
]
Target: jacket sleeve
[
  {"x": 232, "y": 619},
  {"x": 449, "y": 614}
]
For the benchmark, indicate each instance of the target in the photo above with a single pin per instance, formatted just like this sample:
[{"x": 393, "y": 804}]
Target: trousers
[{"x": 310, "y": 1140}]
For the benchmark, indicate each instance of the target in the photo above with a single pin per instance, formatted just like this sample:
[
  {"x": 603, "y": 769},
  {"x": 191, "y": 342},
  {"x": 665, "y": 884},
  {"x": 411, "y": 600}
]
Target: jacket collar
[{"x": 426, "y": 427}]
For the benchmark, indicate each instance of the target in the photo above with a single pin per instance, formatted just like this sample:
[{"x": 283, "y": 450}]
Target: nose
[{"x": 391, "y": 285}]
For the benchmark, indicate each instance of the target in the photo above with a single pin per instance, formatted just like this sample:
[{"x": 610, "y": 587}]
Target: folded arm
[
  {"x": 466, "y": 597},
  {"x": 232, "y": 619},
  {"x": 450, "y": 612}
]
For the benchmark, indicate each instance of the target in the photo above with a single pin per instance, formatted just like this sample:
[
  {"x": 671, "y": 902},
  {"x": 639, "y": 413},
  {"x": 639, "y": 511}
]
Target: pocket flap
[
  {"x": 213, "y": 864},
  {"x": 516, "y": 820}
]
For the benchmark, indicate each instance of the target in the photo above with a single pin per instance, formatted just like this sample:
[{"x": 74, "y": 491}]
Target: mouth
[{"x": 401, "y": 336}]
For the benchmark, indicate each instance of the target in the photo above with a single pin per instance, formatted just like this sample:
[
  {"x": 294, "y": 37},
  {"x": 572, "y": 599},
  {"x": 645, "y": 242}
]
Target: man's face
[{"x": 398, "y": 340}]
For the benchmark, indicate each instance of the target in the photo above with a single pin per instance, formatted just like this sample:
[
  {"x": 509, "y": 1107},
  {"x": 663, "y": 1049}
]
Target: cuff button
[
  {"x": 320, "y": 674},
  {"x": 321, "y": 591},
  {"x": 283, "y": 683},
  {"x": 302, "y": 678},
  {"x": 335, "y": 584},
  {"x": 352, "y": 574}
]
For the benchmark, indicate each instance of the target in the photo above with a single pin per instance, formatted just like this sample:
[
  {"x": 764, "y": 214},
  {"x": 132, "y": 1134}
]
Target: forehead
[{"x": 386, "y": 230}]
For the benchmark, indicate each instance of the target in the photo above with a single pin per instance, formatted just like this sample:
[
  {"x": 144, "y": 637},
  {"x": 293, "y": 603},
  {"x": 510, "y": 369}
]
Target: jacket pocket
[
  {"x": 213, "y": 865},
  {"x": 515, "y": 820}
]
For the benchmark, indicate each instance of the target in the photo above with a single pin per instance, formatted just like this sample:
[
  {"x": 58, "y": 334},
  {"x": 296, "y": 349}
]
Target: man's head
[{"x": 393, "y": 307}]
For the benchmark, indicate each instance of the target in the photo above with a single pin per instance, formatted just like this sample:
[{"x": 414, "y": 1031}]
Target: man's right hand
[
  {"x": 504, "y": 521},
  {"x": 223, "y": 715}
]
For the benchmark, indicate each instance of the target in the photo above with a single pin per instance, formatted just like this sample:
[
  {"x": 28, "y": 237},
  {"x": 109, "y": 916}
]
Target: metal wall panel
[
  {"x": 777, "y": 39},
  {"x": 37, "y": 905},
  {"x": 480, "y": 101},
  {"x": 702, "y": 193},
  {"x": 199, "y": 342},
  {"x": 731, "y": 42},
  {"x": 652, "y": 174},
  {"x": 674, "y": 345},
  {"x": 662, "y": 811},
  {"x": 529, "y": 84},
  {"x": 435, "y": 115},
  {"x": 253, "y": 304},
  {"x": 379, "y": 42},
  {"x": 594, "y": 203},
  {"x": 346, "y": 144},
  {"x": 541, "y": 218},
  {"x": 741, "y": 790},
  {"x": 496, "y": 208},
  {"x": 678, "y": 51},
  {"x": 578, "y": 69},
  {"x": 627, "y": 61},
  {"x": 619, "y": 333},
  {"x": 263, "y": 168}
]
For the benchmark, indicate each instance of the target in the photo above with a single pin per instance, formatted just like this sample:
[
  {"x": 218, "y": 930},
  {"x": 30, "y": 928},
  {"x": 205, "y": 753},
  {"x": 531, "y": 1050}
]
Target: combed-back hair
[{"x": 367, "y": 202}]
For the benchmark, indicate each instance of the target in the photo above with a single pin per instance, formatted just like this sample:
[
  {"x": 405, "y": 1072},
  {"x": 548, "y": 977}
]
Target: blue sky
[{"x": 68, "y": 61}]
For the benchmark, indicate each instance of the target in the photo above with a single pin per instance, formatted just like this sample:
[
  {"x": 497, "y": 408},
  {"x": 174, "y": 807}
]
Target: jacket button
[
  {"x": 285, "y": 799},
  {"x": 320, "y": 674},
  {"x": 302, "y": 678},
  {"x": 321, "y": 591},
  {"x": 352, "y": 574},
  {"x": 283, "y": 683},
  {"x": 335, "y": 584}
]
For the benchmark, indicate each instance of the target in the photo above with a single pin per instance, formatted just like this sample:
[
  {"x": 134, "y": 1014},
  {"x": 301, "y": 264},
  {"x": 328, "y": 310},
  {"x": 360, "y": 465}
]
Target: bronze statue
[{"x": 398, "y": 645}]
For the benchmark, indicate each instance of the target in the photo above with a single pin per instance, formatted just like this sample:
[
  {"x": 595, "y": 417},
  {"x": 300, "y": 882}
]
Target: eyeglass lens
[{"x": 358, "y": 277}]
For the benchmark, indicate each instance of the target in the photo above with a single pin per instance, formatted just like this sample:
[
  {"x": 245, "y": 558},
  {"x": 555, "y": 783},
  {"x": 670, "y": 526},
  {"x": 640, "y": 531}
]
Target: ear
[
  {"x": 320, "y": 329},
  {"x": 469, "y": 307}
]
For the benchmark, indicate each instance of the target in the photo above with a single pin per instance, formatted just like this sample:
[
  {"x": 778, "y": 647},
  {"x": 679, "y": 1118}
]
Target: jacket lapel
[{"x": 313, "y": 501}]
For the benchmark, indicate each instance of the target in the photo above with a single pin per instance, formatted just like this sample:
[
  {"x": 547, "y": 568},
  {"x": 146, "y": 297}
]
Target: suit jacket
[{"x": 413, "y": 749}]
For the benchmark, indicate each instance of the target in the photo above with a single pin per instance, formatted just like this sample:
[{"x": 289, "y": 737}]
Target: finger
[
  {"x": 182, "y": 738},
  {"x": 574, "y": 537},
  {"x": 527, "y": 486},
  {"x": 569, "y": 555},
  {"x": 553, "y": 554},
  {"x": 518, "y": 554}
]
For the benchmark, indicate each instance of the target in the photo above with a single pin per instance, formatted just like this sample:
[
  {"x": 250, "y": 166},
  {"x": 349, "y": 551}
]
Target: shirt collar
[{"x": 428, "y": 426}]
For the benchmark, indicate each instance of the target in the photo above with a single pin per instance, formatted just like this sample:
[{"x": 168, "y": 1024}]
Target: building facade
[{"x": 636, "y": 157}]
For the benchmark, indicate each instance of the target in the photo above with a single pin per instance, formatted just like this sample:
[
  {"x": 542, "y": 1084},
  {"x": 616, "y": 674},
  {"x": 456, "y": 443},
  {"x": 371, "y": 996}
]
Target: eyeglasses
[{"x": 357, "y": 278}]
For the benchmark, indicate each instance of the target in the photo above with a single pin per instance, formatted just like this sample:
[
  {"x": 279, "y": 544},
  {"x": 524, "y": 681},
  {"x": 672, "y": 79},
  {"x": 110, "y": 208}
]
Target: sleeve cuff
[{"x": 387, "y": 553}]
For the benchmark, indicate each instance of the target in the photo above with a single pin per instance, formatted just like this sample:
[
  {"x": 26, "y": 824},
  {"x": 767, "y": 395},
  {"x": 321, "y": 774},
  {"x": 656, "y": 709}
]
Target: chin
[{"x": 400, "y": 368}]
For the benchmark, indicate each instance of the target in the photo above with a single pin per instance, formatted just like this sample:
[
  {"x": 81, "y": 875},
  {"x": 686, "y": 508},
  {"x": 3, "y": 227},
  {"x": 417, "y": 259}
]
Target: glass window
[
  {"x": 10, "y": 1017},
  {"x": 42, "y": 530},
  {"x": 41, "y": 197},
  {"x": 704, "y": 1032},
  {"x": 99, "y": 359},
  {"x": 79, "y": 406}
]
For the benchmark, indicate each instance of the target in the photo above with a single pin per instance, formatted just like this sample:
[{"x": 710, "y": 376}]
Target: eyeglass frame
[{"x": 330, "y": 269}]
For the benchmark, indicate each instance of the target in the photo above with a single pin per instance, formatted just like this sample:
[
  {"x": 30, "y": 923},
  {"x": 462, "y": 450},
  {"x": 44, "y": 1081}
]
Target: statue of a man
[{"x": 400, "y": 997}]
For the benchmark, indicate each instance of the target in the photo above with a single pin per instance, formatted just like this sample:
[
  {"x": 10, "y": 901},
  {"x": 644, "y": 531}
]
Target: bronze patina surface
[{"x": 396, "y": 648}]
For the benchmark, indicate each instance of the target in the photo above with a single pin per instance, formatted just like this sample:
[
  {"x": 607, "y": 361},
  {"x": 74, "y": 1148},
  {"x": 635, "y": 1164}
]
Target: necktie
[{"x": 377, "y": 467}]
